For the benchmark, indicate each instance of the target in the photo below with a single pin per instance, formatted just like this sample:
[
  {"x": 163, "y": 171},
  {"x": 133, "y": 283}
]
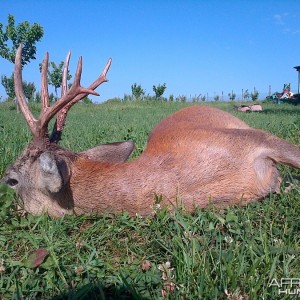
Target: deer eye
[{"x": 12, "y": 182}]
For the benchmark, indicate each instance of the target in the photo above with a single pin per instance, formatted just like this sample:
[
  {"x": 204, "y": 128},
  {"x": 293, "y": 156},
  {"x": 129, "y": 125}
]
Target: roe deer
[{"x": 196, "y": 156}]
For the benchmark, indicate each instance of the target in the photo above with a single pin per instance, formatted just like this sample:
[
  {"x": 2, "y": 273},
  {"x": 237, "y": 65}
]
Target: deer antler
[
  {"x": 61, "y": 117},
  {"x": 31, "y": 121},
  {"x": 39, "y": 127}
]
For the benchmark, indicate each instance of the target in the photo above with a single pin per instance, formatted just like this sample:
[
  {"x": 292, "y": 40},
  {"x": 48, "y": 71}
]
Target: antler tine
[
  {"x": 77, "y": 78},
  {"x": 64, "y": 86},
  {"x": 31, "y": 121},
  {"x": 44, "y": 85},
  {"x": 60, "y": 120},
  {"x": 105, "y": 70},
  {"x": 102, "y": 78}
]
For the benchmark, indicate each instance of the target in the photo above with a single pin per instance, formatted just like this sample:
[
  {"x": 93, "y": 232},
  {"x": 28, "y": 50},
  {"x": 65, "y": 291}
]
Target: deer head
[{"x": 43, "y": 170}]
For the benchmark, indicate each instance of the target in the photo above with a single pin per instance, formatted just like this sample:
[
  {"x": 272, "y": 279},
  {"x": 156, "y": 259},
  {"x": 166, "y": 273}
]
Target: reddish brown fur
[{"x": 187, "y": 160}]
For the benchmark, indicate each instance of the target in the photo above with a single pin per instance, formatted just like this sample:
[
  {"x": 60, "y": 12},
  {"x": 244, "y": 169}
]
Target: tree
[
  {"x": 22, "y": 33},
  {"x": 159, "y": 90},
  {"x": 137, "y": 91},
  {"x": 55, "y": 75},
  {"x": 246, "y": 95},
  {"x": 232, "y": 96},
  {"x": 15, "y": 35},
  {"x": 87, "y": 100},
  {"x": 38, "y": 97},
  {"x": 254, "y": 95},
  {"x": 8, "y": 83},
  {"x": 29, "y": 90}
]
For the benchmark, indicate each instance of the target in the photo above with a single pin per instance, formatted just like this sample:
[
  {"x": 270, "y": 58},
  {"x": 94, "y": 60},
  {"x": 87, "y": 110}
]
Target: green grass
[{"x": 213, "y": 254}]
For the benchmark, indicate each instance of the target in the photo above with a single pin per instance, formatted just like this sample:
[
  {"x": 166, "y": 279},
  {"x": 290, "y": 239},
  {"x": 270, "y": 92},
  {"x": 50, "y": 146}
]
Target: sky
[{"x": 195, "y": 47}]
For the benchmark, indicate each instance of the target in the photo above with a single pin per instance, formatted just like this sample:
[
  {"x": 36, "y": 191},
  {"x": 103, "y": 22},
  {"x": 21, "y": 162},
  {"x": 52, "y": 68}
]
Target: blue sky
[{"x": 195, "y": 47}]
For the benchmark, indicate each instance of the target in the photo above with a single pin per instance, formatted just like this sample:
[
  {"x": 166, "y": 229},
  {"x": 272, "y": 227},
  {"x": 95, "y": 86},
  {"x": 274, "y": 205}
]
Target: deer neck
[{"x": 111, "y": 188}]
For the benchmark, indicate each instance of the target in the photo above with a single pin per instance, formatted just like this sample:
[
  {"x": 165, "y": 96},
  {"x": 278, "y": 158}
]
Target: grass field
[{"x": 233, "y": 253}]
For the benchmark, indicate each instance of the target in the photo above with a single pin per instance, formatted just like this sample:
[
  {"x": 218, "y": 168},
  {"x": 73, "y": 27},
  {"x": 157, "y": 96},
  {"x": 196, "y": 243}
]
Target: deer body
[
  {"x": 223, "y": 166},
  {"x": 198, "y": 155}
]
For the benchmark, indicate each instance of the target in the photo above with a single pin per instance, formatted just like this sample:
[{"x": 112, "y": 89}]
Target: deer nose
[{"x": 9, "y": 181}]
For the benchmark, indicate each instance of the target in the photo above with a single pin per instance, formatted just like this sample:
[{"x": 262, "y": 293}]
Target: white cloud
[
  {"x": 283, "y": 21},
  {"x": 296, "y": 31},
  {"x": 280, "y": 18}
]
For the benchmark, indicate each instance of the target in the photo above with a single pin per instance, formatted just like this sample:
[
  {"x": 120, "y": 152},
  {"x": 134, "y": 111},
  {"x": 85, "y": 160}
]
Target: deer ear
[
  {"x": 114, "y": 152},
  {"x": 53, "y": 172}
]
